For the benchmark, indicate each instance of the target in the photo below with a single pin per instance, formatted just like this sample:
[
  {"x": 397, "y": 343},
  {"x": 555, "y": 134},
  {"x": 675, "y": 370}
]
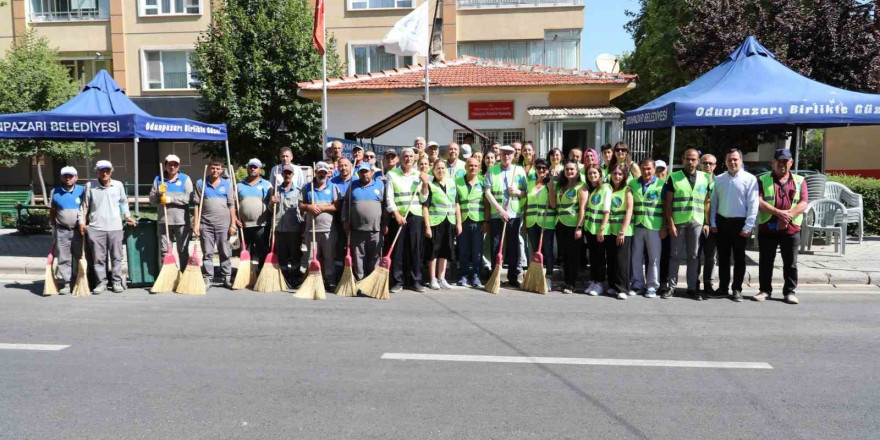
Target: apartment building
[
  {"x": 526, "y": 32},
  {"x": 145, "y": 45}
]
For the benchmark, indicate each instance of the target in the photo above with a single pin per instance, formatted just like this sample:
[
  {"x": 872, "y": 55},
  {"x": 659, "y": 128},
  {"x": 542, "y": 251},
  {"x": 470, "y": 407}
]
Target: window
[
  {"x": 167, "y": 70},
  {"x": 84, "y": 70},
  {"x": 170, "y": 7},
  {"x": 557, "y": 49},
  {"x": 373, "y": 58},
  {"x": 505, "y": 136},
  {"x": 379, "y": 4},
  {"x": 68, "y": 10}
]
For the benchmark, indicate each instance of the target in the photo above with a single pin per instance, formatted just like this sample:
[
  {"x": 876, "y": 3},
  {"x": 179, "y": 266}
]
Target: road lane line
[
  {"x": 37, "y": 347},
  {"x": 576, "y": 361}
]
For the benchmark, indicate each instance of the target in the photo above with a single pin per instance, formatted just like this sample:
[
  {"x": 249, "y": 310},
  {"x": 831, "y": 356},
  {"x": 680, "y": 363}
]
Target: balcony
[
  {"x": 506, "y": 4},
  {"x": 42, "y": 11}
]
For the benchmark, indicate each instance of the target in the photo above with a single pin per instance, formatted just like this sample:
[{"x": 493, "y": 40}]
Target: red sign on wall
[{"x": 490, "y": 110}]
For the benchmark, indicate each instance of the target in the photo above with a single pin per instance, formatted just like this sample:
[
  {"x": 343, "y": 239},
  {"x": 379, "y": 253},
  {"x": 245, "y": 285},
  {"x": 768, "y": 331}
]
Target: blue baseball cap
[{"x": 364, "y": 166}]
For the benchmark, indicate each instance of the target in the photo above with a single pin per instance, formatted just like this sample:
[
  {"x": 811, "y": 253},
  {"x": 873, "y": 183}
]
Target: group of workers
[{"x": 632, "y": 222}]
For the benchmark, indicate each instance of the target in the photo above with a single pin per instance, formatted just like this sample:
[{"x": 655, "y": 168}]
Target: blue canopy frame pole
[
  {"x": 797, "y": 148},
  {"x": 137, "y": 198},
  {"x": 671, "y": 164}
]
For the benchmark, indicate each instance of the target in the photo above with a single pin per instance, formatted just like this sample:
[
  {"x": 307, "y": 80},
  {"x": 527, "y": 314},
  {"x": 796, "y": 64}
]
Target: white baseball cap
[
  {"x": 255, "y": 162},
  {"x": 466, "y": 151},
  {"x": 660, "y": 164},
  {"x": 68, "y": 171},
  {"x": 172, "y": 158},
  {"x": 433, "y": 144},
  {"x": 103, "y": 165},
  {"x": 507, "y": 148}
]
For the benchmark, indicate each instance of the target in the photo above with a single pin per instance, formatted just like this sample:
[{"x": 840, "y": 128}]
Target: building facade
[
  {"x": 145, "y": 45},
  {"x": 529, "y": 32}
]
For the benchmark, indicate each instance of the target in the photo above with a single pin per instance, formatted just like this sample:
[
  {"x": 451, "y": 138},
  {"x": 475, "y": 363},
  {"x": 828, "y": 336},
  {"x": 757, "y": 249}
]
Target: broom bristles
[
  {"x": 81, "y": 288},
  {"x": 245, "y": 276},
  {"x": 50, "y": 287},
  {"x": 271, "y": 278},
  {"x": 167, "y": 280},
  {"x": 347, "y": 285},
  {"x": 493, "y": 285},
  {"x": 376, "y": 284},
  {"x": 191, "y": 282},
  {"x": 312, "y": 287},
  {"x": 535, "y": 280}
]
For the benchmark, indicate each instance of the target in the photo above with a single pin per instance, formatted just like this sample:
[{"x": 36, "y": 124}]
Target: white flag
[{"x": 409, "y": 36}]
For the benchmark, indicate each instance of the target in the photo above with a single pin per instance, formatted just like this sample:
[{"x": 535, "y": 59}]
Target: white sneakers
[
  {"x": 434, "y": 285},
  {"x": 444, "y": 285},
  {"x": 651, "y": 293},
  {"x": 621, "y": 295}
]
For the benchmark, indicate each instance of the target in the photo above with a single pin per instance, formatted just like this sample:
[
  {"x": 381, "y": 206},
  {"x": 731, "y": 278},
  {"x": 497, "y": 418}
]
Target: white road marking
[
  {"x": 575, "y": 361},
  {"x": 38, "y": 347}
]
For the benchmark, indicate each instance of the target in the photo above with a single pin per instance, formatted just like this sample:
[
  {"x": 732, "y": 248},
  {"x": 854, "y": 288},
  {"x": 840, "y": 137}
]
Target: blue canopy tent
[
  {"x": 752, "y": 88},
  {"x": 102, "y": 111}
]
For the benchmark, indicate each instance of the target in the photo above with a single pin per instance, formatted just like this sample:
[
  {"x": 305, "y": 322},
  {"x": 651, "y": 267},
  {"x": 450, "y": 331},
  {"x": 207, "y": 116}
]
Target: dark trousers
[
  {"x": 257, "y": 244},
  {"x": 511, "y": 245},
  {"x": 470, "y": 249},
  {"x": 547, "y": 247},
  {"x": 617, "y": 260},
  {"x": 597, "y": 258},
  {"x": 767, "y": 243},
  {"x": 707, "y": 259},
  {"x": 730, "y": 242},
  {"x": 569, "y": 253},
  {"x": 288, "y": 247},
  {"x": 665, "y": 252},
  {"x": 407, "y": 258}
]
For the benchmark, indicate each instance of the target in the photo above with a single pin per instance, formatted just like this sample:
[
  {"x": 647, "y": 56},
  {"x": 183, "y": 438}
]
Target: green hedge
[{"x": 870, "y": 191}]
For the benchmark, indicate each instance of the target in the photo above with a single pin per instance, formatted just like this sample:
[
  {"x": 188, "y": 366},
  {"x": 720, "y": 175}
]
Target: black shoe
[
  {"x": 513, "y": 284},
  {"x": 737, "y": 296},
  {"x": 666, "y": 293},
  {"x": 695, "y": 294},
  {"x": 396, "y": 288},
  {"x": 720, "y": 294},
  {"x": 418, "y": 287}
]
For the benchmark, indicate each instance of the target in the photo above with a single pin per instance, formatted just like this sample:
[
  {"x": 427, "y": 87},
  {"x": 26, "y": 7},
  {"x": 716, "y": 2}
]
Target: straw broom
[
  {"x": 493, "y": 285},
  {"x": 271, "y": 278},
  {"x": 376, "y": 284},
  {"x": 245, "y": 277},
  {"x": 50, "y": 287},
  {"x": 535, "y": 279},
  {"x": 191, "y": 281},
  {"x": 81, "y": 288},
  {"x": 313, "y": 286},
  {"x": 347, "y": 286},
  {"x": 170, "y": 273}
]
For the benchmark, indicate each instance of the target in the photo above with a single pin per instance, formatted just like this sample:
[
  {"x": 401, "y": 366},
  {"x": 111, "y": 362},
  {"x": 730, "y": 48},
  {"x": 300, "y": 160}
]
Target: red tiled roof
[{"x": 469, "y": 71}]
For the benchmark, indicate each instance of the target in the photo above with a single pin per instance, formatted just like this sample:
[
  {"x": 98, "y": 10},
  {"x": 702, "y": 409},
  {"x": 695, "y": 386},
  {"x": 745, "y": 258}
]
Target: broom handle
[
  {"x": 202, "y": 196},
  {"x": 544, "y": 218},
  {"x": 164, "y": 208},
  {"x": 314, "y": 234},
  {"x": 503, "y": 230},
  {"x": 237, "y": 206},
  {"x": 408, "y": 206},
  {"x": 350, "y": 202},
  {"x": 274, "y": 212}
]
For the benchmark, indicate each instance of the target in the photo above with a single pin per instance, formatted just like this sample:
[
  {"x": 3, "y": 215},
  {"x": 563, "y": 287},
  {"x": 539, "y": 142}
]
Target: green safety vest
[
  {"x": 770, "y": 197},
  {"x": 455, "y": 171},
  {"x": 618, "y": 213},
  {"x": 532, "y": 175},
  {"x": 538, "y": 208},
  {"x": 441, "y": 205},
  {"x": 471, "y": 200},
  {"x": 595, "y": 211},
  {"x": 403, "y": 193},
  {"x": 497, "y": 179},
  {"x": 567, "y": 205},
  {"x": 687, "y": 202},
  {"x": 647, "y": 207}
]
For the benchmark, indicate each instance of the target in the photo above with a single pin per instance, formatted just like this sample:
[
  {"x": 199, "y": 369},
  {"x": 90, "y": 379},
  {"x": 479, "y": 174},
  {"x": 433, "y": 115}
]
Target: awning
[
  {"x": 406, "y": 114},
  {"x": 542, "y": 113}
]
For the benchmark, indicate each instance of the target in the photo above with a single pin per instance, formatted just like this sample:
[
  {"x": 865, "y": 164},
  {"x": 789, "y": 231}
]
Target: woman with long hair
[
  {"x": 554, "y": 156},
  {"x": 595, "y": 210},
  {"x": 622, "y": 157},
  {"x": 540, "y": 214},
  {"x": 440, "y": 221},
  {"x": 569, "y": 218},
  {"x": 618, "y": 234},
  {"x": 488, "y": 160},
  {"x": 527, "y": 161}
]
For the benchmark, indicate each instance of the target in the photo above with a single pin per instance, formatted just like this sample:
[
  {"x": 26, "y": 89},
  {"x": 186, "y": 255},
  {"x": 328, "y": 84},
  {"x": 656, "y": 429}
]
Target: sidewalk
[{"x": 26, "y": 255}]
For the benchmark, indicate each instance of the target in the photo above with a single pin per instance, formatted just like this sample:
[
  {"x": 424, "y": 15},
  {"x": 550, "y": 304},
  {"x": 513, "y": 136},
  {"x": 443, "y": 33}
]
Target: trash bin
[{"x": 142, "y": 250}]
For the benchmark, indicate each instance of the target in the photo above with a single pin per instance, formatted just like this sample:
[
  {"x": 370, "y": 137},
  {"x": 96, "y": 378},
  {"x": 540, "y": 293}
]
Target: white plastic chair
[
  {"x": 827, "y": 217},
  {"x": 855, "y": 207}
]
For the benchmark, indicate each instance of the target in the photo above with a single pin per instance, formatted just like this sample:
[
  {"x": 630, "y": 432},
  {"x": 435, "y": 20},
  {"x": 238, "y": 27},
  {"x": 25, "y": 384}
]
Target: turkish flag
[{"x": 318, "y": 35}]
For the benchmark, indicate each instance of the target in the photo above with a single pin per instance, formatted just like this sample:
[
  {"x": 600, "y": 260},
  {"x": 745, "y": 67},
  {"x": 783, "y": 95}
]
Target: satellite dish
[{"x": 607, "y": 63}]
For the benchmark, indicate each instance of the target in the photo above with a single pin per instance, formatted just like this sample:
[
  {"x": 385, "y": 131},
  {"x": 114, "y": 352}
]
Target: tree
[
  {"x": 811, "y": 155},
  {"x": 32, "y": 80},
  {"x": 248, "y": 65}
]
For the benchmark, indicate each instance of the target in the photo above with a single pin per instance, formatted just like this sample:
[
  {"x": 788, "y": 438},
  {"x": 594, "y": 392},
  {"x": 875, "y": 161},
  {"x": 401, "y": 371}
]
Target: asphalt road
[{"x": 247, "y": 365}]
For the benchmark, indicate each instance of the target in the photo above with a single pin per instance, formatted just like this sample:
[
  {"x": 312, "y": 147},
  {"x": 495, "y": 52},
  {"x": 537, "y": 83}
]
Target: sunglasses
[
  {"x": 621, "y": 150},
  {"x": 708, "y": 163},
  {"x": 370, "y": 156},
  {"x": 541, "y": 168}
]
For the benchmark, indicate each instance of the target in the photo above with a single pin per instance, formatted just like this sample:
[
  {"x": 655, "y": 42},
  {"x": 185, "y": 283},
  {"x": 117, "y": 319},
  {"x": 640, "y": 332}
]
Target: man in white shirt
[
  {"x": 405, "y": 185},
  {"x": 734, "y": 210},
  {"x": 286, "y": 158}
]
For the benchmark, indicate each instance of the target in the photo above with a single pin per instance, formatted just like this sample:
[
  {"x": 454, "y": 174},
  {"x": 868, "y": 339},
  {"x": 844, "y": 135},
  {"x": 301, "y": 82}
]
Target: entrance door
[{"x": 579, "y": 134}]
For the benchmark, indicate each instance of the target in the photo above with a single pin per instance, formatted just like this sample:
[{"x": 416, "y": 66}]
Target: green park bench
[{"x": 10, "y": 199}]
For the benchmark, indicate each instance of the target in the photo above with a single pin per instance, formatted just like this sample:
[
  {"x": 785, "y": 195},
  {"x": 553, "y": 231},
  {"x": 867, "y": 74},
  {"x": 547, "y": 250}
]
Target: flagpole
[
  {"x": 428, "y": 65},
  {"x": 323, "y": 87}
]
